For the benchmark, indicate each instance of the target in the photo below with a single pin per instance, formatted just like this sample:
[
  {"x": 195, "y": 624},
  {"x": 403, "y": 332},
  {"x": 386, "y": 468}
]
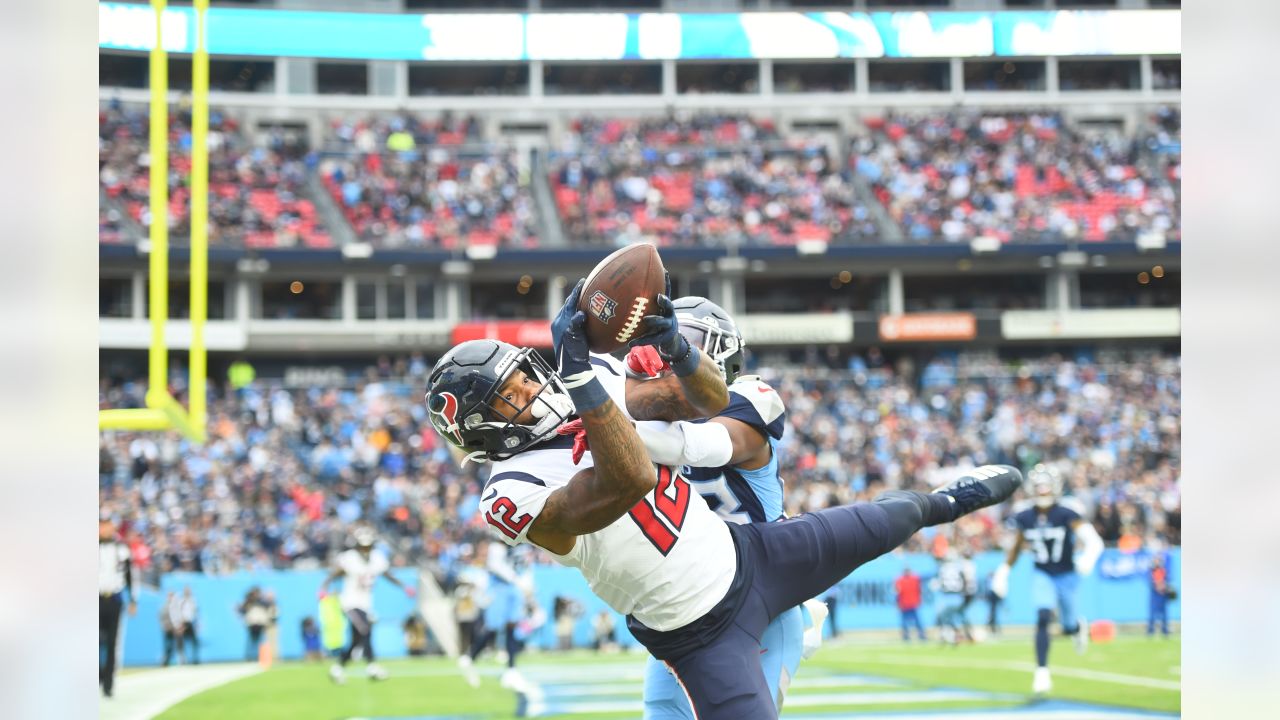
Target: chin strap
[{"x": 478, "y": 457}]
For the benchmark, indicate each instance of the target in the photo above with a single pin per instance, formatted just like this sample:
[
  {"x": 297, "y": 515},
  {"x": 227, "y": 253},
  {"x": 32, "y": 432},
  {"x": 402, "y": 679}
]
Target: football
[{"x": 620, "y": 291}]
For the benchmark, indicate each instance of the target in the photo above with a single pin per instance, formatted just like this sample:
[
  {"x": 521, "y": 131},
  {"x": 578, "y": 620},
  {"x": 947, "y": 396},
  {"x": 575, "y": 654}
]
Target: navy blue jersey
[
  {"x": 1049, "y": 535},
  {"x": 743, "y": 496}
]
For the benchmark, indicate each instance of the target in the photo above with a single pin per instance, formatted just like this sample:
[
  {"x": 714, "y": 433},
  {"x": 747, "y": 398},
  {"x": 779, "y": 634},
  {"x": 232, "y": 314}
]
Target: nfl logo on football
[{"x": 603, "y": 306}]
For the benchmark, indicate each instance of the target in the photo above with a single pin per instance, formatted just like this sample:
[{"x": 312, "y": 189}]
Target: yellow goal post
[{"x": 163, "y": 412}]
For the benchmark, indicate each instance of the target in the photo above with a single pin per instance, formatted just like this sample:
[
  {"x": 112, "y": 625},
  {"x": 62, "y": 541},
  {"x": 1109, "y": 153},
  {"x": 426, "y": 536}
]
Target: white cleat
[
  {"x": 376, "y": 672},
  {"x": 469, "y": 671},
  {"x": 337, "y": 674},
  {"x": 1082, "y": 637},
  {"x": 513, "y": 680},
  {"x": 812, "y": 638},
  {"x": 1041, "y": 683}
]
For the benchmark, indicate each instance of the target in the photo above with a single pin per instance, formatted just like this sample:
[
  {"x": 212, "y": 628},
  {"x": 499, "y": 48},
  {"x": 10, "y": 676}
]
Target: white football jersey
[
  {"x": 360, "y": 574},
  {"x": 667, "y": 562}
]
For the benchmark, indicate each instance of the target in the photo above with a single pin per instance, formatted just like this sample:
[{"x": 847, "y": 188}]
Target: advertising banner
[
  {"x": 1098, "y": 323},
  {"x": 928, "y": 326},
  {"x": 462, "y": 37},
  {"x": 521, "y": 333},
  {"x": 790, "y": 329}
]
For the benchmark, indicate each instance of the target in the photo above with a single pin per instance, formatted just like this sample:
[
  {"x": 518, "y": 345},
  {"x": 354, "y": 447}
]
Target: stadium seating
[
  {"x": 257, "y": 195},
  {"x": 701, "y": 180},
  {"x": 408, "y": 181},
  {"x": 1018, "y": 177},
  {"x": 286, "y": 471}
]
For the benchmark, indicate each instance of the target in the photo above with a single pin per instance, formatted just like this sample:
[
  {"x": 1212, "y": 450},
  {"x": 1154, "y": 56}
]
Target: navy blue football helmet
[
  {"x": 707, "y": 326},
  {"x": 463, "y": 387}
]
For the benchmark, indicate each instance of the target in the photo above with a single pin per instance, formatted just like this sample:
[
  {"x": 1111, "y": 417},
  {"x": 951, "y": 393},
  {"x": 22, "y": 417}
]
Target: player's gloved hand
[
  {"x": 645, "y": 362},
  {"x": 662, "y": 331},
  {"x": 579, "y": 433},
  {"x": 573, "y": 354},
  {"x": 1000, "y": 581},
  {"x": 568, "y": 333}
]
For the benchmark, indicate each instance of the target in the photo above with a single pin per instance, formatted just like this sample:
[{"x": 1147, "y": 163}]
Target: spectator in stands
[
  {"x": 285, "y": 470},
  {"x": 909, "y": 592}
]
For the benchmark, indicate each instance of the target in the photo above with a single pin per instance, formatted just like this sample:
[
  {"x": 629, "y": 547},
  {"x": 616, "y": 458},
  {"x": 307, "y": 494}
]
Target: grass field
[{"x": 848, "y": 677}]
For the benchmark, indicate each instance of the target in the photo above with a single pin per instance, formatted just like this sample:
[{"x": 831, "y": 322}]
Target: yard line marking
[{"x": 1081, "y": 673}]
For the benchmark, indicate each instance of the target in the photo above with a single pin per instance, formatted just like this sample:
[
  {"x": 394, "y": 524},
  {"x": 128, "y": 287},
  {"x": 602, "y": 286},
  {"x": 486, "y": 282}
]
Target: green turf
[
  {"x": 433, "y": 687},
  {"x": 1006, "y": 667}
]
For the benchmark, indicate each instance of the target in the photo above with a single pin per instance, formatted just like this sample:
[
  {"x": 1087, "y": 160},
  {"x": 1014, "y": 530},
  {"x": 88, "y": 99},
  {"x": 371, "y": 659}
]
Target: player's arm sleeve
[
  {"x": 509, "y": 503},
  {"x": 687, "y": 443},
  {"x": 1091, "y": 547}
]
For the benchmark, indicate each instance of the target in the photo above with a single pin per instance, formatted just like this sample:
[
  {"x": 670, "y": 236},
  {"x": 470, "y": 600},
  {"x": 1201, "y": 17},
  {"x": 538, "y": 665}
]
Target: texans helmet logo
[
  {"x": 603, "y": 306},
  {"x": 448, "y": 414}
]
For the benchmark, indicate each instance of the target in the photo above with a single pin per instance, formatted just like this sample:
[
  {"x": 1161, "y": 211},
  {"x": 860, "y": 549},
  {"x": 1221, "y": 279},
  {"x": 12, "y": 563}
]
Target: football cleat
[
  {"x": 1041, "y": 683},
  {"x": 469, "y": 671},
  {"x": 337, "y": 674},
  {"x": 1082, "y": 636},
  {"x": 376, "y": 672},
  {"x": 513, "y": 680},
  {"x": 982, "y": 487},
  {"x": 812, "y": 638}
]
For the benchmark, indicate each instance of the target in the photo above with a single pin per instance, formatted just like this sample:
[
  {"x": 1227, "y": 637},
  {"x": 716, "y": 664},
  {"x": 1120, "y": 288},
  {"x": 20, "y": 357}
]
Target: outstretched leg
[{"x": 801, "y": 557}]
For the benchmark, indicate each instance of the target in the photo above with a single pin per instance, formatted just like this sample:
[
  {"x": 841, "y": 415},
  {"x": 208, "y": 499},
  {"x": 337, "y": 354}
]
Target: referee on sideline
[{"x": 115, "y": 578}]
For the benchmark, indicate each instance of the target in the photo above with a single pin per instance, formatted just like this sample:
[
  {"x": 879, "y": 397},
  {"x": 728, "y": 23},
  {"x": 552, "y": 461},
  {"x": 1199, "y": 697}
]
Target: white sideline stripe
[
  {"x": 823, "y": 699},
  {"x": 143, "y": 695},
  {"x": 583, "y": 689},
  {"x": 1081, "y": 673},
  {"x": 1011, "y": 714}
]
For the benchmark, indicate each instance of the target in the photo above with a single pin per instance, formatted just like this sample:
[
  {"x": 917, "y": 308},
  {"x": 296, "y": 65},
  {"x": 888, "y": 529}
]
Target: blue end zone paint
[{"x": 618, "y": 689}]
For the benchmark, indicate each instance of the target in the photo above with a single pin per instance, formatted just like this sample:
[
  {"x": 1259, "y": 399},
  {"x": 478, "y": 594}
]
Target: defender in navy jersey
[
  {"x": 1051, "y": 528},
  {"x": 739, "y": 480}
]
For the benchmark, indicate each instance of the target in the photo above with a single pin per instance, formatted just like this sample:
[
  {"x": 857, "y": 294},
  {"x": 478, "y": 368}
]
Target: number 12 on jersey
[{"x": 671, "y": 501}]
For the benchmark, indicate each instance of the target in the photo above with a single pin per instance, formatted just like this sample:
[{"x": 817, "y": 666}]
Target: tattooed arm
[
  {"x": 671, "y": 398},
  {"x": 597, "y": 496}
]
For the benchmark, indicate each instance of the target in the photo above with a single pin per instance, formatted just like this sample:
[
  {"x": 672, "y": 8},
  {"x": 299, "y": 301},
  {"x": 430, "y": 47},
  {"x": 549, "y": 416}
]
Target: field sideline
[{"x": 847, "y": 677}]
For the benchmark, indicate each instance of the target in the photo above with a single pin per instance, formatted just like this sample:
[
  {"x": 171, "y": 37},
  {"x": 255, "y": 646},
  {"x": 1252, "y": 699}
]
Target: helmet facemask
[
  {"x": 551, "y": 407},
  {"x": 724, "y": 348}
]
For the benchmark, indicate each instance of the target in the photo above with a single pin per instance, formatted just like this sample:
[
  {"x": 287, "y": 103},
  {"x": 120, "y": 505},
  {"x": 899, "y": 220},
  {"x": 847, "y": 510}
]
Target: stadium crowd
[
  {"x": 257, "y": 193},
  {"x": 1022, "y": 177},
  {"x": 702, "y": 179},
  {"x": 404, "y": 180},
  {"x": 286, "y": 471}
]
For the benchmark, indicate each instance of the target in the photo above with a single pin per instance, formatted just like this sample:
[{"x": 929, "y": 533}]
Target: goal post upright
[{"x": 163, "y": 412}]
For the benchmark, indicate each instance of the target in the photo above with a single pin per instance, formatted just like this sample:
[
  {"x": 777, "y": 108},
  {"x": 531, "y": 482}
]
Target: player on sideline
[
  {"x": 1051, "y": 528},
  {"x": 698, "y": 592},
  {"x": 507, "y": 589},
  {"x": 731, "y": 460},
  {"x": 359, "y": 569}
]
